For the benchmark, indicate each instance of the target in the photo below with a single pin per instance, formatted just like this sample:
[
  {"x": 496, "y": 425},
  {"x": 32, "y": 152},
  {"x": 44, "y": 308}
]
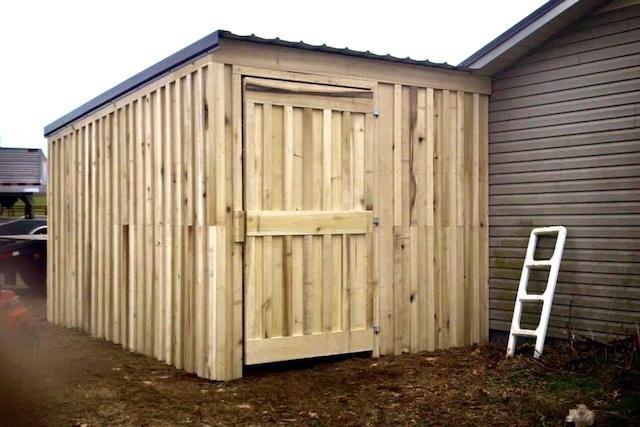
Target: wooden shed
[
  {"x": 248, "y": 200},
  {"x": 564, "y": 144}
]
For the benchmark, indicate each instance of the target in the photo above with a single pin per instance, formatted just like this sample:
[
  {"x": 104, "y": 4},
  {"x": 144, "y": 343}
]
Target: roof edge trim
[
  {"x": 207, "y": 45},
  {"x": 521, "y": 29}
]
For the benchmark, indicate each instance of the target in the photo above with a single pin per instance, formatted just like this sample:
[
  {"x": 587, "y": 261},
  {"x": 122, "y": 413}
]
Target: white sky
[{"x": 57, "y": 54}]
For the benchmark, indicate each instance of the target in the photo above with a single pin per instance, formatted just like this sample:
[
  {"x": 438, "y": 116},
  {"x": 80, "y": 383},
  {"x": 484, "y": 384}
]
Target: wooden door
[{"x": 308, "y": 229}]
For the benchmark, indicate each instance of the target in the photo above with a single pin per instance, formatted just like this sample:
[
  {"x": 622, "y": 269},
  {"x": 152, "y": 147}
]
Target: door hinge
[
  {"x": 376, "y": 220},
  {"x": 376, "y": 112},
  {"x": 376, "y": 330}
]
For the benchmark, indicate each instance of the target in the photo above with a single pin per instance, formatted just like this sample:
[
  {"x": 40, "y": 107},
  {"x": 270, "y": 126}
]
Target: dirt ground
[{"x": 56, "y": 376}]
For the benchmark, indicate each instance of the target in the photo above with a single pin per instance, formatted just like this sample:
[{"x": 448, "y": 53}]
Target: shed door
[{"x": 307, "y": 227}]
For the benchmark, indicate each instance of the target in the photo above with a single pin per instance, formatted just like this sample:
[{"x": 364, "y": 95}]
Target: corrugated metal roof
[
  {"x": 203, "y": 46},
  {"x": 328, "y": 49}
]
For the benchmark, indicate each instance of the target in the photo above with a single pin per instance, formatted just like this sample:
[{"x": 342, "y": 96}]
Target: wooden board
[{"x": 297, "y": 310}]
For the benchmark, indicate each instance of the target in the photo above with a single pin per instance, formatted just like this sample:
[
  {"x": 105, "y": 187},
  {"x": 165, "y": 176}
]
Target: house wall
[
  {"x": 564, "y": 149},
  {"x": 146, "y": 209}
]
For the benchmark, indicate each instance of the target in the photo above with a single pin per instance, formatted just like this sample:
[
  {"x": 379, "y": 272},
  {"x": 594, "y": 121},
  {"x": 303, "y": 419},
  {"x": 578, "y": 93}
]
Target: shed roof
[
  {"x": 527, "y": 34},
  {"x": 206, "y": 45}
]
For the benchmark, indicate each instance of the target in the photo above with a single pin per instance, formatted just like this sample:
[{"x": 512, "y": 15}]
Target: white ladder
[{"x": 546, "y": 297}]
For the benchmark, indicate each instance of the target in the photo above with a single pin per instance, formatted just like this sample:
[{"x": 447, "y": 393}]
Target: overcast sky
[{"x": 57, "y": 54}]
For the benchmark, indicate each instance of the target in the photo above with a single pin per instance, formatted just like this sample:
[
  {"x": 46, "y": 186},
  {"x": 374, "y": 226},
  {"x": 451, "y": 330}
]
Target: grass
[{"x": 17, "y": 211}]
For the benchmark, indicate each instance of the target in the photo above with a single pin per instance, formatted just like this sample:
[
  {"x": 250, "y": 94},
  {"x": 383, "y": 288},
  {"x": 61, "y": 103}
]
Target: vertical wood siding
[
  {"x": 138, "y": 242},
  {"x": 565, "y": 150},
  {"x": 431, "y": 197},
  {"x": 145, "y": 251}
]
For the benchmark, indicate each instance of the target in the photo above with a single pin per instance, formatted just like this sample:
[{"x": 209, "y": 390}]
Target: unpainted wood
[{"x": 150, "y": 197}]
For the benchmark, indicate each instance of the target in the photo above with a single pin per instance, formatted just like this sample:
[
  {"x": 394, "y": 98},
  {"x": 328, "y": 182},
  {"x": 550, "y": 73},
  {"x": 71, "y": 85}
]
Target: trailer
[{"x": 23, "y": 173}]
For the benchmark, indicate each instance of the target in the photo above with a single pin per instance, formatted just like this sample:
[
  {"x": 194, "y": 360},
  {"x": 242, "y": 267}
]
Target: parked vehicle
[{"x": 23, "y": 261}]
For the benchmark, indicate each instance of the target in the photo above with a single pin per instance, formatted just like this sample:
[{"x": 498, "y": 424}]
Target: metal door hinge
[
  {"x": 376, "y": 220},
  {"x": 376, "y": 330},
  {"x": 376, "y": 112}
]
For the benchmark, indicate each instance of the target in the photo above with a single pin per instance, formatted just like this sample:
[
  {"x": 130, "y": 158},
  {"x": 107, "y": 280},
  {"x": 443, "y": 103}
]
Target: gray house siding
[{"x": 564, "y": 149}]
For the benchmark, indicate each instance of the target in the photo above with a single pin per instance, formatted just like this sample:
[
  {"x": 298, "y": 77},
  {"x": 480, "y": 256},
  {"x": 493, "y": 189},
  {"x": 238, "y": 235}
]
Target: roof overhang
[
  {"x": 202, "y": 47},
  {"x": 527, "y": 34}
]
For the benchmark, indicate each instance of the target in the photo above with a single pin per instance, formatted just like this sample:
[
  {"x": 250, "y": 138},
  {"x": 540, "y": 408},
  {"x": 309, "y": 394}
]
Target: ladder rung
[
  {"x": 546, "y": 262},
  {"x": 524, "y": 333},
  {"x": 531, "y": 298},
  {"x": 523, "y": 296}
]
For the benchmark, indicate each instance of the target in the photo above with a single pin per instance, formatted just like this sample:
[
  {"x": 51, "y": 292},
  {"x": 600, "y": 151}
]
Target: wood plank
[
  {"x": 116, "y": 228},
  {"x": 358, "y": 293},
  {"x": 257, "y": 203},
  {"x": 316, "y": 162},
  {"x": 267, "y": 73},
  {"x": 131, "y": 261},
  {"x": 86, "y": 226},
  {"x": 168, "y": 177},
  {"x": 397, "y": 155},
  {"x": 220, "y": 121},
  {"x": 73, "y": 294},
  {"x": 258, "y": 90},
  {"x": 314, "y": 345},
  {"x": 178, "y": 236},
  {"x": 440, "y": 191},
  {"x": 283, "y": 223},
  {"x": 234, "y": 261},
  {"x": 107, "y": 230},
  {"x": 158, "y": 223},
  {"x": 327, "y": 201},
  {"x": 138, "y": 240},
  {"x": 123, "y": 208},
  {"x": 148, "y": 255},
  {"x": 297, "y": 242},
  {"x": 374, "y": 245},
  {"x": 199, "y": 153},
  {"x": 414, "y": 296},
  {"x": 278, "y": 308},
  {"x": 386, "y": 215},
  {"x": 100, "y": 241},
  {"x": 222, "y": 324},
  {"x": 188, "y": 316},
  {"x": 252, "y": 149},
  {"x": 288, "y": 179},
  {"x": 278, "y": 87},
  {"x": 267, "y": 241},
  {"x": 336, "y": 203},
  {"x": 297, "y": 60},
  {"x": 213, "y": 285}
]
